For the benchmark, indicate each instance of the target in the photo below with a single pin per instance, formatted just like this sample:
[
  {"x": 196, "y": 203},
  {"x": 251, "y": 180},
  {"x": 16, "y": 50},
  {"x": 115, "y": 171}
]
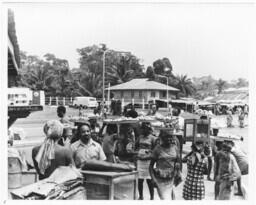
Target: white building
[{"x": 143, "y": 90}]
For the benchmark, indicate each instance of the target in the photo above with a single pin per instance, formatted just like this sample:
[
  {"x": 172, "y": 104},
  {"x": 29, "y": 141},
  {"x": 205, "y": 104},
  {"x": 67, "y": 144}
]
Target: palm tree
[
  {"x": 184, "y": 84},
  {"x": 220, "y": 85}
]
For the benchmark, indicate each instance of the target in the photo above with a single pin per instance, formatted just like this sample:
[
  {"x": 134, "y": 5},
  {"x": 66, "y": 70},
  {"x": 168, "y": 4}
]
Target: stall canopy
[
  {"x": 232, "y": 98},
  {"x": 192, "y": 101}
]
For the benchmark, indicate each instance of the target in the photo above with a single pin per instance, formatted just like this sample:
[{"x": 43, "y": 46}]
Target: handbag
[{"x": 177, "y": 178}]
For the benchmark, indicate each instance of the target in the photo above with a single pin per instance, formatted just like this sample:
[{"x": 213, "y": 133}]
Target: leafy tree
[
  {"x": 118, "y": 68},
  {"x": 220, "y": 85},
  {"x": 242, "y": 82},
  {"x": 185, "y": 85},
  {"x": 150, "y": 73},
  {"x": 50, "y": 74},
  {"x": 161, "y": 65}
]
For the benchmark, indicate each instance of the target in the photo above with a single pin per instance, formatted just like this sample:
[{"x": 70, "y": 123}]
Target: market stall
[{"x": 110, "y": 185}]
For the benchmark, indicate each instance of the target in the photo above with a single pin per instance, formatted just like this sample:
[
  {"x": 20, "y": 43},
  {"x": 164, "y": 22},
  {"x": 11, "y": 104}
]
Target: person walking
[
  {"x": 227, "y": 171},
  {"x": 145, "y": 145},
  {"x": 242, "y": 162},
  {"x": 241, "y": 119},
  {"x": 229, "y": 119},
  {"x": 246, "y": 110},
  {"x": 61, "y": 112},
  {"x": 166, "y": 158},
  {"x": 194, "y": 188}
]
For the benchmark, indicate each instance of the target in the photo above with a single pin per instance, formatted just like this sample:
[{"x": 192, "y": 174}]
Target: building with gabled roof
[{"x": 143, "y": 89}]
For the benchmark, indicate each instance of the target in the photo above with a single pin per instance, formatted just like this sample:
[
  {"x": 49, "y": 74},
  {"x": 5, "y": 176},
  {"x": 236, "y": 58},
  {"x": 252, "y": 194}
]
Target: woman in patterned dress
[
  {"x": 166, "y": 157},
  {"x": 145, "y": 145},
  {"x": 194, "y": 188}
]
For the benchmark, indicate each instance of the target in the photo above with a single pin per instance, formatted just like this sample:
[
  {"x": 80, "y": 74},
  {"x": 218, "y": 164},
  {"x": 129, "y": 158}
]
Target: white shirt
[{"x": 91, "y": 151}]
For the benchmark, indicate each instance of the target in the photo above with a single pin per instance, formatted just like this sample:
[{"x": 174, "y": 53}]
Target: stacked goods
[
  {"x": 95, "y": 165},
  {"x": 147, "y": 118},
  {"x": 156, "y": 121},
  {"x": 228, "y": 137},
  {"x": 64, "y": 183},
  {"x": 78, "y": 118},
  {"x": 121, "y": 120}
]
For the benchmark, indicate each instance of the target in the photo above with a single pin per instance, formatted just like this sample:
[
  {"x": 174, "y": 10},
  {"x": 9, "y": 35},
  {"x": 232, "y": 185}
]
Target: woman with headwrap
[
  {"x": 227, "y": 171},
  {"x": 194, "y": 188},
  {"x": 145, "y": 145},
  {"x": 166, "y": 157},
  {"x": 50, "y": 155}
]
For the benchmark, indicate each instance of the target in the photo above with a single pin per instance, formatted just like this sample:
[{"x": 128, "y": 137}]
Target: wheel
[{"x": 85, "y": 107}]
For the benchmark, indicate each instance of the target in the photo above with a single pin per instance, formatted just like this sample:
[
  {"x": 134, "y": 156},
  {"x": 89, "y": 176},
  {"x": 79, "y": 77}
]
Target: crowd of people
[
  {"x": 158, "y": 159},
  {"x": 241, "y": 113}
]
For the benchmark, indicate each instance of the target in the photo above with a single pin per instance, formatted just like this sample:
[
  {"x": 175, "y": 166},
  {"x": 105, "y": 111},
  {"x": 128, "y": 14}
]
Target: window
[
  {"x": 140, "y": 94},
  {"x": 153, "y": 94},
  {"x": 164, "y": 94},
  {"x": 132, "y": 94}
]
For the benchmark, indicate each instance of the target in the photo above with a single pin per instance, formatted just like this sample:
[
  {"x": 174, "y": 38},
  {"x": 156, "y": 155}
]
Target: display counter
[{"x": 102, "y": 185}]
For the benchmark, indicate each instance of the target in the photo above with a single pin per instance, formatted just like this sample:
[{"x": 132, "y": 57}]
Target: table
[{"x": 110, "y": 185}]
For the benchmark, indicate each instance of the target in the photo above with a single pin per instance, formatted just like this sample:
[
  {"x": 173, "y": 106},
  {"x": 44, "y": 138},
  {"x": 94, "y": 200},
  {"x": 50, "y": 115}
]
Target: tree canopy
[
  {"x": 119, "y": 68},
  {"x": 54, "y": 76},
  {"x": 50, "y": 74}
]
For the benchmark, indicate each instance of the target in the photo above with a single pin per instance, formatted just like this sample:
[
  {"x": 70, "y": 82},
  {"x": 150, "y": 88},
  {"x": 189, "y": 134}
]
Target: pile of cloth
[{"x": 64, "y": 183}]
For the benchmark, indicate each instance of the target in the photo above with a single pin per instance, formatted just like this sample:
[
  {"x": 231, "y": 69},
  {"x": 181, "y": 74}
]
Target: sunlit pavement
[{"x": 33, "y": 127}]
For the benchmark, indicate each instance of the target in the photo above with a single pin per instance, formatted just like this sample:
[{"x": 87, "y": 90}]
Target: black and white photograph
[{"x": 127, "y": 101}]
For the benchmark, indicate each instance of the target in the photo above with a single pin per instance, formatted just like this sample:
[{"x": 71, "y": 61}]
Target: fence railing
[
  {"x": 58, "y": 101},
  {"x": 66, "y": 101}
]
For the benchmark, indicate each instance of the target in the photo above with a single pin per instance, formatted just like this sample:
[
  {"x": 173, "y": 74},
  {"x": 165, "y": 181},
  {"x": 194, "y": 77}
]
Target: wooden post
[
  {"x": 132, "y": 101},
  {"x": 148, "y": 102},
  {"x": 122, "y": 103},
  {"x": 143, "y": 104},
  {"x": 57, "y": 102},
  {"x": 50, "y": 101},
  {"x": 64, "y": 101},
  {"x": 108, "y": 96}
]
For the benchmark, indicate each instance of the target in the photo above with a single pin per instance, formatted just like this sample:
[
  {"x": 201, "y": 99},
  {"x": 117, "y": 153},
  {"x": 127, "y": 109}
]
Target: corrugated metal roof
[
  {"x": 142, "y": 84},
  {"x": 231, "y": 98}
]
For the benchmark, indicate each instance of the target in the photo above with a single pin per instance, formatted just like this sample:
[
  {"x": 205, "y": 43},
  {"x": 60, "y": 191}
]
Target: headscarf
[{"x": 53, "y": 130}]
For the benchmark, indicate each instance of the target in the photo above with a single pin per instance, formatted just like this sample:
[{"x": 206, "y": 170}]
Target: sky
[{"x": 199, "y": 39}]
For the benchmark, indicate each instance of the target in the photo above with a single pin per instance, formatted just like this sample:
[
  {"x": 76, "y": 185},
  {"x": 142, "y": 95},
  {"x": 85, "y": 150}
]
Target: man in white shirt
[{"x": 86, "y": 148}]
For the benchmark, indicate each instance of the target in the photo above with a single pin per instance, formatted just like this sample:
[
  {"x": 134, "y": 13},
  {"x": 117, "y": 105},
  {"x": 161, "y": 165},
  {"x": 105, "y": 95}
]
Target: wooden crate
[
  {"x": 110, "y": 185},
  {"x": 193, "y": 127}
]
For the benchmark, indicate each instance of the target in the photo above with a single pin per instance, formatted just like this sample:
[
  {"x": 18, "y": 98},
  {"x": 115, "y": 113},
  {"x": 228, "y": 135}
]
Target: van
[
  {"x": 19, "y": 96},
  {"x": 85, "y": 102}
]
